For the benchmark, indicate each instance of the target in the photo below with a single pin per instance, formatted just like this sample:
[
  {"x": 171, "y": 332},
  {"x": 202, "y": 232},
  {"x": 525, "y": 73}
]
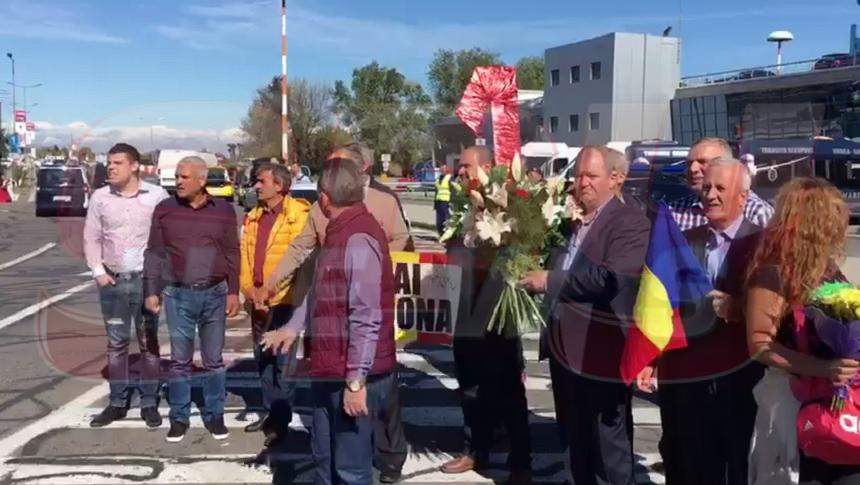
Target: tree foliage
[
  {"x": 449, "y": 73},
  {"x": 311, "y": 122},
  {"x": 530, "y": 73},
  {"x": 386, "y": 111}
]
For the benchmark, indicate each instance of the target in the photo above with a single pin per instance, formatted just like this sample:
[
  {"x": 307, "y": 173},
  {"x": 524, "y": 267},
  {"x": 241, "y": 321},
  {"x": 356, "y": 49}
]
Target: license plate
[{"x": 62, "y": 198}]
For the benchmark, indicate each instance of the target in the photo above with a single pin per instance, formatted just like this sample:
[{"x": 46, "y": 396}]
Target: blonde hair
[{"x": 806, "y": 235}]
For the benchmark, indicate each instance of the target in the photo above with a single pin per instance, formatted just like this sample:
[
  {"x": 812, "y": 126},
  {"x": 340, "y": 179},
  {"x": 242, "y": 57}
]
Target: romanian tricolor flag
[{"x": 672, "y": 275}]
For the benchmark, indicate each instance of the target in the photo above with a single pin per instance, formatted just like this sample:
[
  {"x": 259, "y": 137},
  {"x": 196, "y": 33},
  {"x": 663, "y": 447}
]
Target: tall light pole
[
  {"x": 12, "y": 121},
  {"x": 285, "y": 122},
  {"x": 779, "y": 37},
  {"x": 24, "y": 88}
]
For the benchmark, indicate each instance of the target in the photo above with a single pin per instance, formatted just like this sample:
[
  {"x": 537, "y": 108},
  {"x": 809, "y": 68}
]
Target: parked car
[
  {"x": 61, "y": 191},
  {"x": 755, "y": 73},
  {"x": 831, "y": 61},
  {"x": 218, "y": 184}
]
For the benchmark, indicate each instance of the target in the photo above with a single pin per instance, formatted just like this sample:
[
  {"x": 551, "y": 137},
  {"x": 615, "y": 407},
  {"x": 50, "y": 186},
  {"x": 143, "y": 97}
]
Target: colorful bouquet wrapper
[{"x": 494, "y": 87}]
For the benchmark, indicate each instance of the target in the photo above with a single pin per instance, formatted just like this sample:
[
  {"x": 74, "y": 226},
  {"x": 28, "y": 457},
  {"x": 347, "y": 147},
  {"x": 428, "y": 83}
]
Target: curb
[{"x": 423, "y": 225}]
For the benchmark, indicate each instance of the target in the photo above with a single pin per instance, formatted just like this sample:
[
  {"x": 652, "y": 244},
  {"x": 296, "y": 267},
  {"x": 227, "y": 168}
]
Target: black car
[
  {"x": 831, "y": 61},
  {"x": 61, "y": 191}
]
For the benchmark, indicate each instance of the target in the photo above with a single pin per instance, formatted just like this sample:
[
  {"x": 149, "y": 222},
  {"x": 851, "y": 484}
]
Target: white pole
[
  {"x": 778, "y": 57},
  {"x": 285, "y": 123}
]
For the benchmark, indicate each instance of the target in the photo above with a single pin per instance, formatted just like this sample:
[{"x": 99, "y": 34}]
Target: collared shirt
[
  {"x": 579, "y": 235},
  {"x": 363, "y": 261},
  {"x": 264, "y": 229},
  {"x": 689, "y": 212},
  {"x": 117, "y": 228},
  {"x": 718, "y": 246},
  {"x": 192, "y": 246}
]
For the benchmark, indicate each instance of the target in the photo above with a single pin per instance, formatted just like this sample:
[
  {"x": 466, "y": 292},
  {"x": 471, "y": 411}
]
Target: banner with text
[{"x": 427, "y": 296}]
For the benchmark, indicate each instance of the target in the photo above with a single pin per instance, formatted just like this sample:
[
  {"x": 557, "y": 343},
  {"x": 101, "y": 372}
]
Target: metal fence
[{"x": 747, "y": 74}]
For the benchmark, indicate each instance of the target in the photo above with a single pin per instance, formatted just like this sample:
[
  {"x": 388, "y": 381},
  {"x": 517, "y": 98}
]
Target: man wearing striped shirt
[{"x": 689, "y": 211}]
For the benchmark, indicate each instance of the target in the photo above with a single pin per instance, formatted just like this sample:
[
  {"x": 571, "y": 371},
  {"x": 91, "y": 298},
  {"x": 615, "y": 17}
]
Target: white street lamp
[{"x": 779, "y": 36}]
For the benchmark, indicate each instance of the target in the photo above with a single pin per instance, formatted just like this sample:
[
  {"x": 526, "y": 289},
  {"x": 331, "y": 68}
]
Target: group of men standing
[{"x": 150, "y": 251}]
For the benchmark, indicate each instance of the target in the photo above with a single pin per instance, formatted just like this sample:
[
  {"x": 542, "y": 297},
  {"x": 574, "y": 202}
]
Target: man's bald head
[{"x": 473, "y": 157}]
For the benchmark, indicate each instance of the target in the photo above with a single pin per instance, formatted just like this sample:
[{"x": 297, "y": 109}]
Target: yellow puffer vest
[{"x": 288, "y": 225}]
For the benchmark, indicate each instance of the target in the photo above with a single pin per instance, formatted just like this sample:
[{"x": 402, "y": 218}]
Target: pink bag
[{"x": 833, "y": 437}]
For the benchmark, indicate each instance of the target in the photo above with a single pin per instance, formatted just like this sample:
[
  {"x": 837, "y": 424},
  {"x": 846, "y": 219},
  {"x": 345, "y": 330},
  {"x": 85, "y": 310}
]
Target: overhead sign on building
[{"x": 20, "y": 115}]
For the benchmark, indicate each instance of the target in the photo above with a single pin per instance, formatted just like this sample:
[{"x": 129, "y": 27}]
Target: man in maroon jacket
[{"x": 350, "y": 315}]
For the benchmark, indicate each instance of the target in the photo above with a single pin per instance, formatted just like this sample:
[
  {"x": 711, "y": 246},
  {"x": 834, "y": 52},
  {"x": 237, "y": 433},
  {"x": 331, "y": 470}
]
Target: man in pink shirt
[{"x": 115, "y": 236}]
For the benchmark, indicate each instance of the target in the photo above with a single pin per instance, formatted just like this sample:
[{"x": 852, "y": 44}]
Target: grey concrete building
[{"x": 616, "y": 87}]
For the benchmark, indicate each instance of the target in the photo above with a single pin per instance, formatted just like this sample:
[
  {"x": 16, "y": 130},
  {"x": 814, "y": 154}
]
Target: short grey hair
[
  {"x": 279, "y": 172},
  {"x": 361, "y": 149},
  {"x": 613, "y": 160},
  {"x": 712, "y": 140},
  {"x": 741, "y": 168},
  {"x": 342, "y": 182},
  {"x": 198, "y": 163}
]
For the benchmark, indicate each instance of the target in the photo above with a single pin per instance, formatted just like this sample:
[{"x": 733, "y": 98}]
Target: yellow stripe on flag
[
  {"x": 653, "y": 311},
  {"x": 409, "y": 258}
]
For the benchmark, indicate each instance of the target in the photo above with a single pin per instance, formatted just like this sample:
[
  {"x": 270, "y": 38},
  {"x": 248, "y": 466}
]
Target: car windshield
[
  {"x": 60, "y": 178},
  {"x": 216, "y": 177}
]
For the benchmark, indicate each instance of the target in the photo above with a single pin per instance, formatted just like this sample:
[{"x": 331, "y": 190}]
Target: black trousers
[
  {"x": 489, "y": 375},
  {"x": 389, "y": 438},
  {"x": 596, "y": 424},
  {"x": 817, "y": 472},
  {"x": 707, "y": 427}
]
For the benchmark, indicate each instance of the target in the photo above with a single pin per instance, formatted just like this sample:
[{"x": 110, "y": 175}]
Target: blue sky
[{"x": 189, "y": 68}]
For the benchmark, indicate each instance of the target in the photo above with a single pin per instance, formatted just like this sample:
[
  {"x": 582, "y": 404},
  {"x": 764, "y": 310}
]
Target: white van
[{"x": 167, "y": 161}]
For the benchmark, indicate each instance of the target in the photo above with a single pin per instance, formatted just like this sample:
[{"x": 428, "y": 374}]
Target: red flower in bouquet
[{"x": 522, "y": 193}]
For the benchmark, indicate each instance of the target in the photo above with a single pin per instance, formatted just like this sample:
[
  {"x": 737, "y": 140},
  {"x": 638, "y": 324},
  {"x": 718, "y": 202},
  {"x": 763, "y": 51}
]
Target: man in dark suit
[
  {"x": 706, "y": 401},
  {"x": 592, "y": 291}
]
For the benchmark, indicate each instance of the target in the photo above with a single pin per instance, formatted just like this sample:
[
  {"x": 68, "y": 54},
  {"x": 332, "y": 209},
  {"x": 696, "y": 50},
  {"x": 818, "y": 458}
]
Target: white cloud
[
  {"x": 36, "y": 20},
  {"x": 100, "y": 138}
]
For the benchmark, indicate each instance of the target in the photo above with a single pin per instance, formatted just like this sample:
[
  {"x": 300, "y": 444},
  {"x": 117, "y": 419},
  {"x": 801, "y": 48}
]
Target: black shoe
[
  {"x": 217, "y": 429},
  {"x": 256, "y": 425},
  {"x": 389, "y": 476},
  {"x": 151, "y": 417},
  {"x": 107, "y": 416},
  {"x": 177, "y": 431}
]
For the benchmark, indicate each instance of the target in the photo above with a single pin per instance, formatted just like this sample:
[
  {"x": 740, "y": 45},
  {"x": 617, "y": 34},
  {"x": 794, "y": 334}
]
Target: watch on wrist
[{"x": 354, "y": 385}]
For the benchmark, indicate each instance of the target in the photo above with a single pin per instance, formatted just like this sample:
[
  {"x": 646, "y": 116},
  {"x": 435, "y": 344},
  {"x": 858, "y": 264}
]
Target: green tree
[
  {"x": 530, "y": 73},
  {"x": 449, "y": 73},
  {"x": 386, "y": 111},
  {"x": 310, "y": 113},
  {"x": 4, "y": 149}
]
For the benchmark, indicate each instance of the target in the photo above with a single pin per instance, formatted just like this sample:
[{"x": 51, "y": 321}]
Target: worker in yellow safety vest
[{"x": 443, "y": 198}]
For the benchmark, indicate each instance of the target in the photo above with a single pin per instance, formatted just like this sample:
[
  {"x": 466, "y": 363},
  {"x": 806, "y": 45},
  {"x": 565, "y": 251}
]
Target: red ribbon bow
[{"x": 496, "y": 87}]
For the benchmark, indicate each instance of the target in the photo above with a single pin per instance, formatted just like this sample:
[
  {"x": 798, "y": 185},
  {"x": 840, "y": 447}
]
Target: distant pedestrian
[
  {"x": 442, "y": 202},
  {"x": 535, "y": 175},
  {"x": 350, "y": 319},
  {"x": 115, "y": 236},
  {"x": 268, "y": 231},
  {"x": 192, "y": 261},
  {"x": 298, "y": 176}
]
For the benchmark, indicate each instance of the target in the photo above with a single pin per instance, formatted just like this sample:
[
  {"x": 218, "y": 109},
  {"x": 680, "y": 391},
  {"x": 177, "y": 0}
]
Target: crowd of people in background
[{"x": 323, "y": 270}]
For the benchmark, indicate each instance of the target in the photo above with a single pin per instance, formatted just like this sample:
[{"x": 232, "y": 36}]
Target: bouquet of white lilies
[{"x": 505, "y": 211}]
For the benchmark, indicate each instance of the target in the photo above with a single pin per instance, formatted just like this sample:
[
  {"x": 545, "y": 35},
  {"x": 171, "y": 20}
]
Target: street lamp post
[
  {"x": 24, "y": 88},
  {"x": 779, "y": 37},
  {"x": 9, "y": 55}
]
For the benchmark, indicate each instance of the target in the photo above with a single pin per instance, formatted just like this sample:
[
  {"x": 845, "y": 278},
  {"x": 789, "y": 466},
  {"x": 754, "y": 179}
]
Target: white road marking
[
  {"x": 33, "y": 309},
  {"x": 30, "y": 255}
]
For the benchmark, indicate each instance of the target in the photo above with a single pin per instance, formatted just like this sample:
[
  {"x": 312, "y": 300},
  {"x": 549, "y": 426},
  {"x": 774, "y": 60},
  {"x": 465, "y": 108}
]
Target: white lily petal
[
  {"x": 477, "y": 199},
  {"x": 499, "y": 195},
  {"x": 517, "y": 168},
  {"x": 483, "y": 178}
]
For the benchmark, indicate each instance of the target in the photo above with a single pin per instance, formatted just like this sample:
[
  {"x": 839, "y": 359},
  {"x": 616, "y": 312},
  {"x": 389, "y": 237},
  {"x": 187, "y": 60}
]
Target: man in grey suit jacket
[{"x": 593, "y": 291}]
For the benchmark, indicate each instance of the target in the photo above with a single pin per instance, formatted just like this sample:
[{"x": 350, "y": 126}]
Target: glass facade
[{"x": 803, "y": 112}]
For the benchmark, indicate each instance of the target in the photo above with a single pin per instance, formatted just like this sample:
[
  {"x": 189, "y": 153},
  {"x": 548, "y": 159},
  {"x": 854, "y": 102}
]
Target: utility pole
[
  {"x": 12, "y": 121},
  {"x": 285, "y": 122}
]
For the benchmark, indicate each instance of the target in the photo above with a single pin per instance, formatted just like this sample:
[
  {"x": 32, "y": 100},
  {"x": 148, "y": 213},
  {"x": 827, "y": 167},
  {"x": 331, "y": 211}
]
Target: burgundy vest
[{"x": 329, "y": 337}]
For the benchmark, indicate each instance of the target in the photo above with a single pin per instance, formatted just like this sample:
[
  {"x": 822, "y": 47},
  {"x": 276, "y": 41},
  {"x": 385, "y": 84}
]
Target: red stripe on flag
[
  {"x": 639, "y": 351},
  {"x": 679, "y": 336},
  {"x": 432, "y": 258}
]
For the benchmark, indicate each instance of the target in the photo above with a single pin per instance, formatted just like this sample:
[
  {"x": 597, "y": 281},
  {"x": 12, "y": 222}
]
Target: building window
[
  {"x": 573, "y": 123},
  {"x": 594, "y": 121},
  {"x": 553, "y": 124},
  {"x": 574, "y": 74},
  {"x": 595, "y": 71},
  {"x": 554, "y": 77}
]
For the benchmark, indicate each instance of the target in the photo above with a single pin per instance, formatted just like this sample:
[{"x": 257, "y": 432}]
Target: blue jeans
[
  {"x": 342, "y": 446},
  {"x": 122, "y": 306},
  {"x": 275, "y": 370},
  {"x": 187, "y": 311}
]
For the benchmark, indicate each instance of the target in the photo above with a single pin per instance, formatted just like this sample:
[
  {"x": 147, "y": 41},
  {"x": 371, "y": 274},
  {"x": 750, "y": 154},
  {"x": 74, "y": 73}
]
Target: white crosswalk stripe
[{"x": 430, "y": 408}]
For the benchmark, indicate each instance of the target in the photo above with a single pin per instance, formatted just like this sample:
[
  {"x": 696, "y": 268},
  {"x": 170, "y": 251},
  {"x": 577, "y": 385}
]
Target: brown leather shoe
[
  {"x": 521, "y": 477},
  {"x": 461, "y": 464}
]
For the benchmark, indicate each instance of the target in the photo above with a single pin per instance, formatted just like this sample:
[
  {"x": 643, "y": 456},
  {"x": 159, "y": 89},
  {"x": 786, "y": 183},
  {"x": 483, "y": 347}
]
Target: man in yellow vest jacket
[
  {"x": 268, "y": 231},
  {"x": 443, "y": 199}
]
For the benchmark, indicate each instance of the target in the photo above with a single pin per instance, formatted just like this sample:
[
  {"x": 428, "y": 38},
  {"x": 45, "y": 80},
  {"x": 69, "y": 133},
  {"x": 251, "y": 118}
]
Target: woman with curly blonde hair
[{"x": 799, "y": 250}]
